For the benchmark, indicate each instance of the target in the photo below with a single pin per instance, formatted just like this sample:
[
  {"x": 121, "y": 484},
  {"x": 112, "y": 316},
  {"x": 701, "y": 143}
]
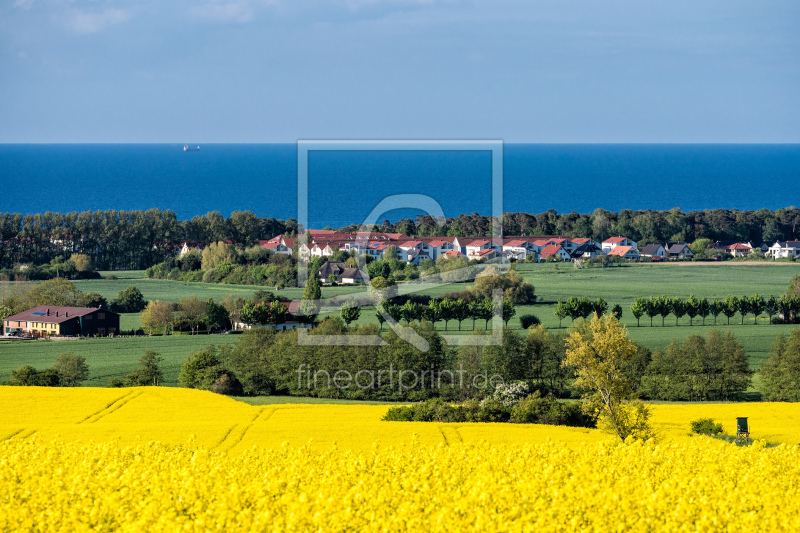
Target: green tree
[
  {"x": 129, "y": 300},
  {"x": 692, "y": 308},
  {"x": 715, "y": 308},
  {"x": 651, "y": 309},
  {"x": 447, "y": 310},
  {"x": 312, "y": 290},
  {"x": 149, "y": 371},
  {"x": 460, "y": 311},
  {"x": 780, "y": 374},
  {"x": 730, "y": 306},
  {"x": 663, "y": 305},
  {"x": 72, "y": 369},
  {"x": 599, "y": 306},
  {"x": 703, "y": 309},
  {"x": 216, "y": 316},
  {"x": 756, "y": 304},
  {"x": 771, "y": 307},
  {"x": 743, "y": 306},
  {"x": 349, "y": 312},
  {"x": 616, "y": 312},
  {"x": 157, "y": 313},
  {"x": 192, "y": 310},
  {"x": 202, "y": 369},
  {"x": 678, "y": 308},
  {"x": 561, "y": 311},
  {"x": 598, "y": 352}
]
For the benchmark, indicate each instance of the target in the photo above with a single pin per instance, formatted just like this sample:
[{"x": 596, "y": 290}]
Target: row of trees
[
  {"x": 643, "y": 226},
  {"x": 69, "y": 370},
  {"x": 139, "y": 239},
  {"x": 581, "y": 307},
  {"x": 787, "y": 305}
]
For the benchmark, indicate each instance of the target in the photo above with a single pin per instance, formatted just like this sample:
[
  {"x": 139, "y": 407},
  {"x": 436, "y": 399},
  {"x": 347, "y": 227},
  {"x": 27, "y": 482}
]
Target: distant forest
[{"x": 117, "y": 240}]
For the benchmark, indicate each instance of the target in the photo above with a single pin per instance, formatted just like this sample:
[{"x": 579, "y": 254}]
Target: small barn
[{"x": 47, "y": 320}]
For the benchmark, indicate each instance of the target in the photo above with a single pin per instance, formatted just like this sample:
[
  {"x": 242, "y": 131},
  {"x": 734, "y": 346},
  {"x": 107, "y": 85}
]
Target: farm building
[{"x": 47, "y": 320}]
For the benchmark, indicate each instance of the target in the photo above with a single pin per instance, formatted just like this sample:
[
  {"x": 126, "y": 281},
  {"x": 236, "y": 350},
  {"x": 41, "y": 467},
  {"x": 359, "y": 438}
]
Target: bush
[
  {"x": 228, "y": 385},
  {"x": 706, "y": 426},
  {"x": 529, "y": 320},
  {"x": 510, "y": 394},
  {"x": 115, "y": 383}
]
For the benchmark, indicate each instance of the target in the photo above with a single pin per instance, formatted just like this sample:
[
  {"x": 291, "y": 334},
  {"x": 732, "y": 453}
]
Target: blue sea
[{"x": 345, "y": 186}]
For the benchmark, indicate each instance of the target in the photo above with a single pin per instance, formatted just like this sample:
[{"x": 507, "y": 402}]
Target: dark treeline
[
  {"x": 641, "y": 226},
  {"x": 139, "y": 239},
  {"x": 119, "y": 240}
]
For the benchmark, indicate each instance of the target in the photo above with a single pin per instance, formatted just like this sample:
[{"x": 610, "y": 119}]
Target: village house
[
  {"x": 613, "y": 242},
  {"x": 738, "y": 249},
  {"x": 587, "y": 250},
  {"x": 519, "y": 250},
  {"x": 330, "y": 268},
  {"x": 653, "y": 251},
  {"x": 678, "y": 250},
  {"x": 554, "y": 250},
  {"x": 353, "y": 275},
  {"x": 49, "y": 320},
  {"x": 785, "y": 249},
  {"x": 625, "y": 252}
]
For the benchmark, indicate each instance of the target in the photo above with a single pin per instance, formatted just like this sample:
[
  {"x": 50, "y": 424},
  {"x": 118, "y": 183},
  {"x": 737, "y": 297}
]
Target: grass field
[{"x": 109, "y": 358}]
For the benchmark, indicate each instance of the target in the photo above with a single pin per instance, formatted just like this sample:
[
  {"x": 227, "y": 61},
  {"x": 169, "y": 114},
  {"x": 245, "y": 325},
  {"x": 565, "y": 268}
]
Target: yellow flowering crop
[
  {"x": 161, "y": 459},
  {"x": 701, "y": 485}
]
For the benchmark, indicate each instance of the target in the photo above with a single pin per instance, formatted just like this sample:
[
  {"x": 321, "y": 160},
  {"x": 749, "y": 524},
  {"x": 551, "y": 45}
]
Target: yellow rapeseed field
[{"x": 160, "y": 459}]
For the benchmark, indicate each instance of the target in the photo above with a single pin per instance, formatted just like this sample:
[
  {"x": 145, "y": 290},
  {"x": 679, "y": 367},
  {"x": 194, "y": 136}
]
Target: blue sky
[{"x": 562, "y": 71}]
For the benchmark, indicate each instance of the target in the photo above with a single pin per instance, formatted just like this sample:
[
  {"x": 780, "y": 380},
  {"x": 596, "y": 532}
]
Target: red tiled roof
[
  {"x": 550, "y": 249},
  {"x": 479, "y": 242},
  {"x": 581, "y": 240},
  {"x": 621, "y": 250},
  {"x": 516, "y": 243},
  {"x": 737, "y": 246},
  {"x": 453, "y": 253},
  {"x": 614, "y": 240},
  {"x": 410, "y": 244}
]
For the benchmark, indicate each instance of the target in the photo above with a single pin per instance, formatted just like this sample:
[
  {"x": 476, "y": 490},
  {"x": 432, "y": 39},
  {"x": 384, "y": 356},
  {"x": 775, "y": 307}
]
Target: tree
[
  {"x": 72, "y": 369},
  {"x": 794, "y": 286},
  {"x": 616, "y": 312},
  {"x": 56, "y": 291},
  {"x": 780, "y": 373},
  {"x": 664, "y": 307},
  {"x": 507, "y": 306},
  {"x": 192, "y": 311},
  {"x": 703, "y": 309},
  {"x": 743, "y": 306},
  {"x": 771, "y": 307},
  {"x": 148, "y": 372},
  {"x": 730, "y": 306},
  {"x": 203, "y": 367},
  {"x": 678, "y": 308},
  {"x": 157, "y": 313},
  {"x": 129, "y": 300},
  {"x": 599, "y": 352},
  {"x": 460, "y": 311},
  {"x": 651, "y": 309},
  {"x": 216, "y": 316},
  {"x": 349, "y": 312},
  {"x": 599, "y": 306},
  {"x": 308, "y": 311},
  {"x": 312, "y": 290},
  {"x": 692, "y": 308},
  {"x": 216, "y": 253},
  {"x": 83, "y": 263},
  {"x": 715, "y": 308},
  {"x": 638, "y": 308},
  {"x": 446, "y": 310},
  {"x": 560, "y": 311},
  {"x": 757, "y": 305}
]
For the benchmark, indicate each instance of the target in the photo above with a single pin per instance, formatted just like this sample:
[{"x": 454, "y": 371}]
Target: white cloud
[
  {"x": 236, "y": 11},
  {"x": 83, "y": 22}
]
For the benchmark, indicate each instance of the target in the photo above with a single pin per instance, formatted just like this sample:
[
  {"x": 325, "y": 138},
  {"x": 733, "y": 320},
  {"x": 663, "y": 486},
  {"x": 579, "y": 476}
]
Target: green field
[{"x": 109, "y": 358}]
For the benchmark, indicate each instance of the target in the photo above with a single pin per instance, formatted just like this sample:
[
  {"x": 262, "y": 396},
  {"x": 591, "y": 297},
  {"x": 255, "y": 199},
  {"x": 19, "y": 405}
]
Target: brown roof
[{"x": 57, "y": 314}]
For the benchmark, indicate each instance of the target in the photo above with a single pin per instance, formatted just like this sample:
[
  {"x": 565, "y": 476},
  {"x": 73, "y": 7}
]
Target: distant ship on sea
[{"x": 186, "y": 148}]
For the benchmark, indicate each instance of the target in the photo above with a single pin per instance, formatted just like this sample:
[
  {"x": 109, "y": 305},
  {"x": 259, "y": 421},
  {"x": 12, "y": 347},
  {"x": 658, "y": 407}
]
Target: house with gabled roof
[
  {"x": 330, "y": 268},
  {"x": 519, "y": 249},
  {"x": 554, "y": 250},
  {"x": 738, "y": 249},
  {"x": 654, "y": 251},
  {"x": 50, "y": 320},
  {"x": 625, "y": 252},
  {"x": 587, "y": 250},
  {"x": 785, "y": 249},
  {"x": 678, "y": 250},
  {"x": 612, "y": 242}
]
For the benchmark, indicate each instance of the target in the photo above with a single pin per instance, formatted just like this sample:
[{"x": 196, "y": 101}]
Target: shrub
[
  {"x": 115, "y": 383},
  {"x": 511, "y": 393},
  {"x": 529, "y": 320},
  {"x": 706, "y": 426},
  {"x": 228, "y": 385}
]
